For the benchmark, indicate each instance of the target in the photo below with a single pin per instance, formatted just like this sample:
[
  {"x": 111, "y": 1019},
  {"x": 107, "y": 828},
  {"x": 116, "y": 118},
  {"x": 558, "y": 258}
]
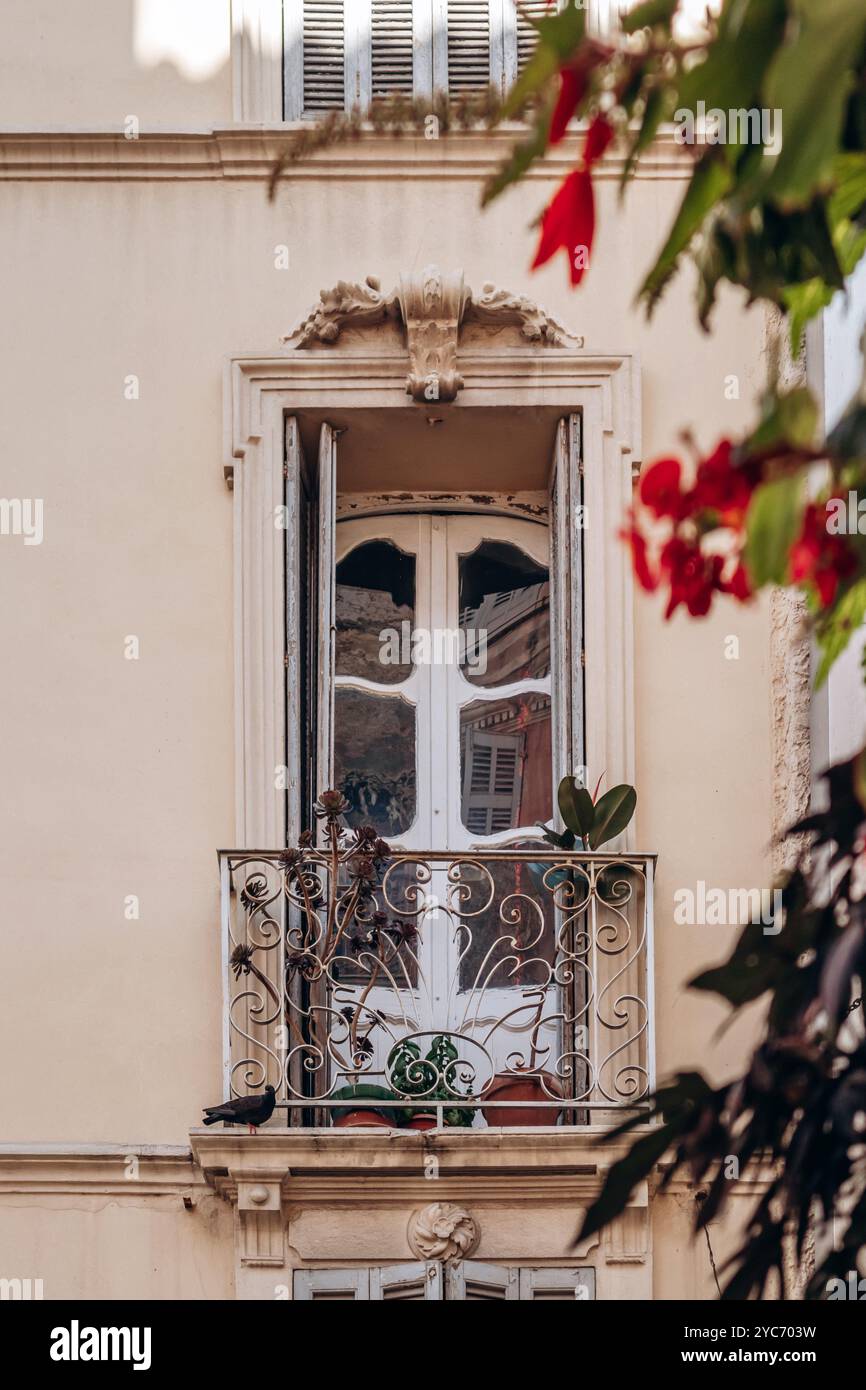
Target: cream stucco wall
[{"x": 119, "y": 774}]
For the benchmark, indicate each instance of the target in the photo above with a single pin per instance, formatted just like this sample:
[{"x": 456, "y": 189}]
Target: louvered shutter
[
  {"x": 557, "y": 1285},
  {"x": 392, "y": 50},
  {"x": 474, "y": 1281},
  {"x": 324, "y": 55},
  {"x": 469, "y": 45}
]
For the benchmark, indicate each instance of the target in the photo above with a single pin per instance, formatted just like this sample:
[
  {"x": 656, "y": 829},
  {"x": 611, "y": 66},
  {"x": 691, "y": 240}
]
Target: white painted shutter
[
  {"x": 475, "y": 1281},
  {"x": 557, "y": 1285},
  {"x": 335, "y": 1285},
  {"x": 409, "y": 1283},
  {"x": 469, "y": 45},
  {"x": 392, "y": 48},
  {"x": 296, "y": 501},
  {"x": 327, "y": 509},
  {"x": 566, "y": 601},
  {"x": 324, "y": 55}
]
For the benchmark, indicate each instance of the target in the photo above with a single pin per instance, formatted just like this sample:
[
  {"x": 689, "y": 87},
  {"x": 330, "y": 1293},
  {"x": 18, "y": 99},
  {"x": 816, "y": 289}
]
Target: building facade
[{"x": 328, "y": 492}]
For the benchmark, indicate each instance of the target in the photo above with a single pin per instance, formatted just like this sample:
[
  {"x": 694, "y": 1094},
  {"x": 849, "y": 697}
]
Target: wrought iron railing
[{"x": 464, "y": 975}]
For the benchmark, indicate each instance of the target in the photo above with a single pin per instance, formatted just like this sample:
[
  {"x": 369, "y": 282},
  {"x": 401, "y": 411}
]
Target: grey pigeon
[{"x": 246, "y": 1110}]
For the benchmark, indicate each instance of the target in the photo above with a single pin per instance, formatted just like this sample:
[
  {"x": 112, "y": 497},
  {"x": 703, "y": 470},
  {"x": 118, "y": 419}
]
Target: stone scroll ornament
[
  {"x": 432, "y": 308},
  {"x": 443, "y": 1231}
]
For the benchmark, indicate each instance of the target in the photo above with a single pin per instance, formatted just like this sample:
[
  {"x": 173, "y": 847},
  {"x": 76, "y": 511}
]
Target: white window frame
[{"x": 261, "y": 392}]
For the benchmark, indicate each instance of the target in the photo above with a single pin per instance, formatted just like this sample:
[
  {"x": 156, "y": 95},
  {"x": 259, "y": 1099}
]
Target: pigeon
[{"x": 246, "y": 1110}]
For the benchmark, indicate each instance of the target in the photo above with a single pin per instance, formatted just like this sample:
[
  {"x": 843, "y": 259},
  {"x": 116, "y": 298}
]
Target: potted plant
[
  {"x": 590, "y": 821},
  {"x": 370, "y": 1109},
  {"x": 432, "y": 1078}
]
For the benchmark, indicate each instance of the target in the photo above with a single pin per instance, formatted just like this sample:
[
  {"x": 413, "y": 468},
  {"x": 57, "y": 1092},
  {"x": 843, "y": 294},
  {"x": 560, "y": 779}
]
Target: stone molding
[
  {"x": 249, "y": 151},
  {"x": 432, "y": 307}
]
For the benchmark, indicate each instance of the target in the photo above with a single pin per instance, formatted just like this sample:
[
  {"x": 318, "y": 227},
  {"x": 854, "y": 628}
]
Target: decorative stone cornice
[
  {"x": 433, "y": 308},
  {"x": 249, "y": 151}
]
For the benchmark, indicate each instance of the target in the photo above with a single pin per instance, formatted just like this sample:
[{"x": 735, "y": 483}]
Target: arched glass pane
[
  {"x": 375, "y": 613},
  {"x": 504, "y": 599},
  {"x": 374, "y": 759},
  {"x": 505, "y": 763}
]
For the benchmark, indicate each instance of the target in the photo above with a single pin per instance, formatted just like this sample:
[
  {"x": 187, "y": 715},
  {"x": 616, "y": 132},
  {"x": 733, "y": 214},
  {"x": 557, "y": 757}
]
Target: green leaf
[
  {"x": 810, "y": 81},
  {"x": 838, "y": 627},
  {"x": 730, "y": 76},
  {"x": 522, "y": 155},
  {"x": 654, "y": 112},
  {"x": 709, "y": 183},
  {"x": 772, "y": 525},
  {"x": 613, "y": 811},
  {"x": 575, "y": 807},
  {"x": 647, "y": 15},
  {"x": 624, "y": 1176}
]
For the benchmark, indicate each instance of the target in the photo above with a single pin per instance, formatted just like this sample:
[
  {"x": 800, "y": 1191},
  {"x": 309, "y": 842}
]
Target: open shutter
[
  {"x": 559, "y": 1285},
  {"x": 473, "y": 1280},
  {"x": 410, "y": 1283},
  {"x": 298, "y": 663},
  {"x": 337, "y": 1285},
  {"x": 566, "y": 610},
  {"x": 327, "y": 510}
]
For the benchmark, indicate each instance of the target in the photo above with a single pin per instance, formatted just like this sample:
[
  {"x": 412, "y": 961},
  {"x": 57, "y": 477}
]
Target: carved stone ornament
[
  {"x": 432, "y": 308},
  {"x": 443, "y": 1231}
]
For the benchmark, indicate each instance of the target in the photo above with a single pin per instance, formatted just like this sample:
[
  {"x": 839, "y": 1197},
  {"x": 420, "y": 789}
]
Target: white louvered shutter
[
  {"x": 469, "y": 45},
  {"x": 392, "y": 50},
  {"x": 324, "y": 56}
]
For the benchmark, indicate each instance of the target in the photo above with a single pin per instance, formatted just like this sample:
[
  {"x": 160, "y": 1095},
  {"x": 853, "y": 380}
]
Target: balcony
[{"x": 506, "y": 988}]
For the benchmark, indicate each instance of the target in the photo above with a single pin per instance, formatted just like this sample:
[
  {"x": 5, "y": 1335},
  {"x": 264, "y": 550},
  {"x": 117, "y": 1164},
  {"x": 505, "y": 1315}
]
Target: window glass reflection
[
  {"x": 375, "y": 613},
  {"x": 374, "y": 759},
  {"x": 504, "y": 615},
  {"x": 505, "y": 763}
]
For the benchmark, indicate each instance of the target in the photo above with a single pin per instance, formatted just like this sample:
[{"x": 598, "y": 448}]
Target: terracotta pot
[
  {"x": 347, "y": 1118},
  {"x": 522, "y": 1088},
  {"x": 421, "y": 1122}
]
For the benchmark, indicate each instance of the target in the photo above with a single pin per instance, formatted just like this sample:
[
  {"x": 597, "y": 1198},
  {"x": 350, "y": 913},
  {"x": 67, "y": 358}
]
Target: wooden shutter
[
  {"x": 299, "y": 665},
  {"x": 334, "y": 1285},
  {"x": 392, "y": 50},
  {"x": 469, "y": 45},
  {"x": 566, "y": 600},
  {"x": 557, "y": 1285},
  {"x": 472, "y": 1280},
  {"x": 327, "y": 509},
  {"x": 324, "y": 55},
  {"x": 408, "y": 1283}
]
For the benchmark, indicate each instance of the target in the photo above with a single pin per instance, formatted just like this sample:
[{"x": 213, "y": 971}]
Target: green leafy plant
[
  {"x": 432, "y": 1079},
  {"x": 590, "y": 821}
]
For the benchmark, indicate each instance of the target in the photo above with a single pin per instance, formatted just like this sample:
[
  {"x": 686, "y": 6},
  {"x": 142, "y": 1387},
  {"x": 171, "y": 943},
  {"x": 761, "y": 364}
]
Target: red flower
[
  {"x": 693, "y": 576},
  {"x": 569, "y": 219},
  {"x": 660, "y": 489},
  {"x": 572, "y": 85},
  {"x": 820, "y": 558},
  {"x": 738, "y": 584},
  {"x": 569, "y": 222},
  {"x": 645, "y": 577},
  {"x": 721, "y": 487},
  {"x": 598, "y": 137}
]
